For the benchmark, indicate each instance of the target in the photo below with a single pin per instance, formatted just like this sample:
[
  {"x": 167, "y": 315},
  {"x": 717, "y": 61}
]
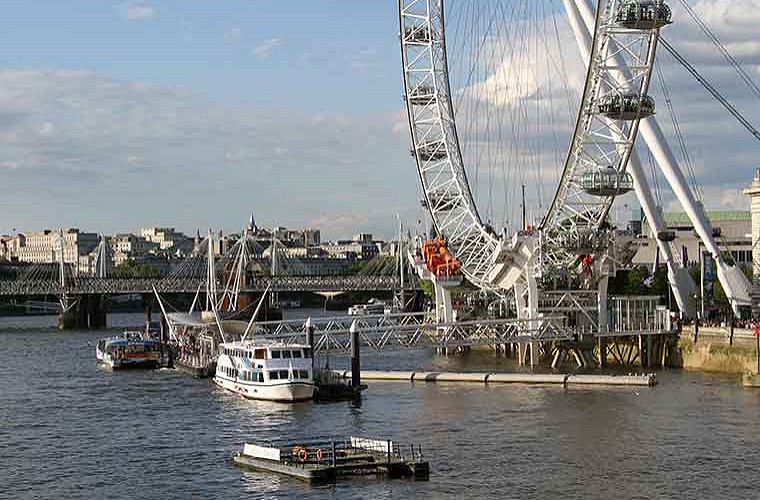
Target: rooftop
[{"x": 680, "y": 218}]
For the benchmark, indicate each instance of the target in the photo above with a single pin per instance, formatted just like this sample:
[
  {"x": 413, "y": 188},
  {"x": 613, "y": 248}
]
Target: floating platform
[
  {"x": 337, "y": 392},
  {"x": 195, "y": 369},
  {"x": 648, "y": 379},
  {"x": 327, "y": 460},
  {"x": 332, "y": 386}
]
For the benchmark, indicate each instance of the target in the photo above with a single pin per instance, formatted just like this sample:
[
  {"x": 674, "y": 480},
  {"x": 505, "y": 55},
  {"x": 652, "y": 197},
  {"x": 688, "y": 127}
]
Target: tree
[
  {"x": 131, "y": 269},
  {"x": 427, "y": 288}
]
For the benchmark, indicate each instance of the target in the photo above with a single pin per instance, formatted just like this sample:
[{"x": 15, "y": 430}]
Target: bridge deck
[{"x": 115, "y": 286}]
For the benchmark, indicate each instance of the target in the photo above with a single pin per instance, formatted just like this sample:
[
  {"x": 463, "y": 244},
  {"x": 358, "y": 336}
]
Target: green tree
[
  {"x": 427, "y": 288},
  {"x": 131, "y": 269},
  {"x": 634, "y": 282}
]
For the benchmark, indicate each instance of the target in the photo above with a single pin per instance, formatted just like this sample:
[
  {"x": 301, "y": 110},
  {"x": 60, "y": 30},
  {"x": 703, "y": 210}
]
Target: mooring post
[
  {"x": 163, "y": 334},
  {"x": 731, "y": 329},
  {"x": 389, "y": 452},
  {"x": 148, "y": 318},
  {"x": 332, "y": 445},
  {"x": 310, "y": 340},
  {"x": 355, "y": 362}
]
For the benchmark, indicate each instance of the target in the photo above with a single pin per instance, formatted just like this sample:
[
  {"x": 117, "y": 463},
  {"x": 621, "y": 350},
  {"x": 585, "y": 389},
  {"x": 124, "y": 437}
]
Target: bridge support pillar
[{"x": 88, "y": 314}]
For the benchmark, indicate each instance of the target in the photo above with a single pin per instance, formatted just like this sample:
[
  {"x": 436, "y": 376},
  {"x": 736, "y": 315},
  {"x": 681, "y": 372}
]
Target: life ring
[
  {"x": 303, "y": 454},
  {"x": 320, "y": 455}
]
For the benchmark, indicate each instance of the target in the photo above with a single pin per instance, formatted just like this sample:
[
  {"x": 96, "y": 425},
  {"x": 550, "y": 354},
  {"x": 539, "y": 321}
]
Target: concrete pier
[{"x": 645, "y": 380}]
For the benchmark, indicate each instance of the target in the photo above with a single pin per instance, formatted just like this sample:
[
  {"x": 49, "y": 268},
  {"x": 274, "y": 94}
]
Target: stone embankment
[{"x": 716, "y": 351}]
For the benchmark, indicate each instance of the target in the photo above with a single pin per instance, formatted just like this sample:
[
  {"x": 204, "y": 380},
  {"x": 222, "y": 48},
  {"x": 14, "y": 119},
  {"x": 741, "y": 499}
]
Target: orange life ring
[
  {"x": 303, "y": 454},
  {"x": 320, "y": 455}
]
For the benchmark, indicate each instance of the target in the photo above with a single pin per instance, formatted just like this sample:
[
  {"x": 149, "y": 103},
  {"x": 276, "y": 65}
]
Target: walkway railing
[{"x": 112, "y": 285}]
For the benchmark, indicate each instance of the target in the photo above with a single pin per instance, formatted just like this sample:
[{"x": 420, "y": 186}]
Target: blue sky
[
  {"x": 311, "y": 55},
  {"x": 115, "y": 115}
]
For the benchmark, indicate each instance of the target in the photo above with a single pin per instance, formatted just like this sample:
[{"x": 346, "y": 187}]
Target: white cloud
[
  {"x": 136, "y": 11},
  {"x": 176, "y": 148},
  {"x": 265, "y": 48}
]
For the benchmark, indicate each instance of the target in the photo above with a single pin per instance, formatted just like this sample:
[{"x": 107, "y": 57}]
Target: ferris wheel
[{"x": 504, "y": 116}]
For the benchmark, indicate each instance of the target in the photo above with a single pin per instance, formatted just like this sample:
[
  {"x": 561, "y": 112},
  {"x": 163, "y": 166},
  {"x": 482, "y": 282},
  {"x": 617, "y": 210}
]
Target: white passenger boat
[
  {"x": 130, "y": 350},
  {"x": 265, "y": 369},
  {"x": 372, "y": 307}
]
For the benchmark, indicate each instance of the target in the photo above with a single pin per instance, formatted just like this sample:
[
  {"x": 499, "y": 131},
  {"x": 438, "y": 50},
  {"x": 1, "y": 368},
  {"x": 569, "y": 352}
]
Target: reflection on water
[{"x": 70, "y": 430}]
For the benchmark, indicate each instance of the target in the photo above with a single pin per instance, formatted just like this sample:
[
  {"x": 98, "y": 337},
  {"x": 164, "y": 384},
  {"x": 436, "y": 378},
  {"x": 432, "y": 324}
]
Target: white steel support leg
[
  {"x": 526, "y": 302},
  {"x": 532, "y": 310},
  {"x": 735, "y": 284},
  {"x": 603, "y": 313},
  {"x": 678, "y": 277},
  {"x": 444, "y": 312}
]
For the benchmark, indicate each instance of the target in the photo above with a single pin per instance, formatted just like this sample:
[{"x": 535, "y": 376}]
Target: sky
[{"x": 195, "y": 113}]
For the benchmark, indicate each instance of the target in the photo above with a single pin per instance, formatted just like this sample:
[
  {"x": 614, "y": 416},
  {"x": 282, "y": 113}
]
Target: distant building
[
  {"x": 43, "y": 247},
  {"x": 361, "y": 250},
  {"x": 133, "y": 245},
  {"x": 8, "y": 248},
  {"x": 311, "y": 237},
  {"x": 362, "y": 238},
  {"x": 168, "y": 239},
  {"x": 732, "y": 230}
]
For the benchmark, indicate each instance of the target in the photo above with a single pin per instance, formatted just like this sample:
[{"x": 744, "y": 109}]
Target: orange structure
[{"x": 439, "y": 260}]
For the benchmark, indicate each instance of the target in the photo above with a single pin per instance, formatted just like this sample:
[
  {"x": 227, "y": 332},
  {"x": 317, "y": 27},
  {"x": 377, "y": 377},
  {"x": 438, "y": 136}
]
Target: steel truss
[
  {"x": 604, "y": 138},
  {"x": 484, "y": 256},
  {"x": 85, "y": 286},
  {"x": 417, "y": 331}
]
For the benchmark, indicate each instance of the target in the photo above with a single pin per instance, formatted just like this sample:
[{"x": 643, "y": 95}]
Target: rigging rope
[
  {"x": 679, "y": 135},
  {"x": 710, "y": 88},
  {"x": 727, "y": 55}
]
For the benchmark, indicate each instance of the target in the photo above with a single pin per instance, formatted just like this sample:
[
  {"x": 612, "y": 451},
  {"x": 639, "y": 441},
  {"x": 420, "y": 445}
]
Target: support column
[
  {"x": 355, "y": 360},
  {"x": 148, "y": 314}
]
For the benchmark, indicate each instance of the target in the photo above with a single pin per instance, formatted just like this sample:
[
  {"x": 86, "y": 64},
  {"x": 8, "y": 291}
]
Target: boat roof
[
  {"x": 187, "y": 319},
  {"x": 123, "y": 341},
  {"x": 250, "y": 344}
]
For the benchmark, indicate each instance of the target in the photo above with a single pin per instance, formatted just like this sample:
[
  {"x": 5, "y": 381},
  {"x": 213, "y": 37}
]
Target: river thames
[{"x": 71, "y": 430}]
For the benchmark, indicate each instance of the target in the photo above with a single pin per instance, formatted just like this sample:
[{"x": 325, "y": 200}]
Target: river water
[{"x": 71, "y": 430}]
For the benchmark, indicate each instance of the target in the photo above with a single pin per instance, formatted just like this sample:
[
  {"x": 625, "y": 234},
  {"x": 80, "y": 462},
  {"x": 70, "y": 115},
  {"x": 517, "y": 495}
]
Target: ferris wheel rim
[{"x": 453, "y": 150}]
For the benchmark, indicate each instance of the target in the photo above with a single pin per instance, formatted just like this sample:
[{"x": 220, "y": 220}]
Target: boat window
[
  {"x": 275, "y": 354},
  {"x": 274, "y": 375},
  {"x": 286, "y": 354},
  {"x": 296, "y": 354},
  {"x": 261, "y": 376},
  {"x": 307, "y": 353},
  {"x": 260, "y": 354},
  {"x": 303, "y": 374},
  {"x": 284, "y": 375}
]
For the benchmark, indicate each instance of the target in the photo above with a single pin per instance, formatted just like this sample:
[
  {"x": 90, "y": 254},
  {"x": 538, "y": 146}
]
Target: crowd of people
[{"x": 748, "y": 324}]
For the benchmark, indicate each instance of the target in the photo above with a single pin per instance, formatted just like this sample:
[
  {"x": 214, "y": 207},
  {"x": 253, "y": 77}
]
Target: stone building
[{"x": 42, "y": 247}]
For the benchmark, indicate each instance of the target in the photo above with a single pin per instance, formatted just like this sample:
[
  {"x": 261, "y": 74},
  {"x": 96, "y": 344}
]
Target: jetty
[
  {"x": 328, "y": 459},
  {"x": 564, "y": 379}
]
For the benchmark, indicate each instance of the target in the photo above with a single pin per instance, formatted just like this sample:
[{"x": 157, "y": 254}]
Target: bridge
[{"x": 118, "y": 286}]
